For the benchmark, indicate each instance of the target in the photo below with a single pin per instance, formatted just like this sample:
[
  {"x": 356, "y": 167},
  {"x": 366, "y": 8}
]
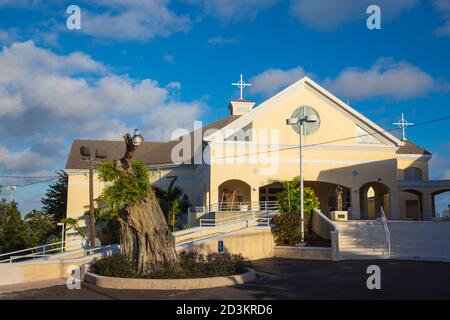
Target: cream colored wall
[
  {"x": 411, "y": 161},
  {"x": 38, "y": 270},
  {"x": 334, "y": 123},
  {"x": 403, "y": 196},
  {"x": 78, "y": 193},
  {"x": 253, "y": 243},
  {"x": 334, "y": 162}
]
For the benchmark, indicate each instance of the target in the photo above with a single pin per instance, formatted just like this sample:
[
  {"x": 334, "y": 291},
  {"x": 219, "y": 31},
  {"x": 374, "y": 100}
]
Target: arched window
[
  {"x": 413, "y": 174},
  {"x": 370, "y": 193}
]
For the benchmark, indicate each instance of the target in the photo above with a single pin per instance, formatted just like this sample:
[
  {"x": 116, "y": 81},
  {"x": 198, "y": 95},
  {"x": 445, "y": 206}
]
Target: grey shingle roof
[
  {"x": 151, "y": 153},
  {"x": 411, "y": 148}
]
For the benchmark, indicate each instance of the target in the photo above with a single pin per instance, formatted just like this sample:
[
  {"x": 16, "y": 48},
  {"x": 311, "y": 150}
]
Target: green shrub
[
  {"x": 289, "y": 198},
  {"x": 190, "y": 265},
  {"x": 287, "y": 228},
  {"x": 115, "y": 265}
]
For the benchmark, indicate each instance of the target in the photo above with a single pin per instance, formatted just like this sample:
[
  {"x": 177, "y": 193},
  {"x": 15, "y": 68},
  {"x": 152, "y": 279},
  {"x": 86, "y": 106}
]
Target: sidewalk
[{"x": 31, "y": 285}]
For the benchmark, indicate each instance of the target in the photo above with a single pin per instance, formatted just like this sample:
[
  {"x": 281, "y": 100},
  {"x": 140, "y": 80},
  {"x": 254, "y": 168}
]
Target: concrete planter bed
[{"x": 168, "y": 284}]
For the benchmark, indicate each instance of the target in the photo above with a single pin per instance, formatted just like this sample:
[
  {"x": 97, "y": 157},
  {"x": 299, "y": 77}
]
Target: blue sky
[{"x": 140, "y": 63}]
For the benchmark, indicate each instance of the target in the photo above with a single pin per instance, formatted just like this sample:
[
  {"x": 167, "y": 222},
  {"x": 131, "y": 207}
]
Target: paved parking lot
[{"x": 292, "y": 279}]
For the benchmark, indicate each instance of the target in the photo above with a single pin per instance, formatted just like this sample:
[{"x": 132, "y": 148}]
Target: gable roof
[
  {"x": 411, "y": 148},
  {"x": 270, "y": 103},
  {"x": 151, "y": 153}
]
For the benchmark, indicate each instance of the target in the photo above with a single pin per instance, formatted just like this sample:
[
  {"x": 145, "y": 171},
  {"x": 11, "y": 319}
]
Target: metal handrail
[
  {"x": 41, "y": 251},
  {"x": 386, "y": 229},
  {"x": 247, "y": 217},
  {"x": 268, "y": 206}
]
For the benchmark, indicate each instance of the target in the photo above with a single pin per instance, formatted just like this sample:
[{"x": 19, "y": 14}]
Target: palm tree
[{"x": 173, "y": 201}]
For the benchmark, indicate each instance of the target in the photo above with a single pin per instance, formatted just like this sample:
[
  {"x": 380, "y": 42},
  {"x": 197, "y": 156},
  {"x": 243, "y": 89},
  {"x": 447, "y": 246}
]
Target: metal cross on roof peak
[
  {"x": 403, "y": 124},
  {"x": 241, "y": 84}
]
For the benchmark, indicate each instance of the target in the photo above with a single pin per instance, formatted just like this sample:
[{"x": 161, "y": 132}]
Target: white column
[{"x": 354, "y": 203}]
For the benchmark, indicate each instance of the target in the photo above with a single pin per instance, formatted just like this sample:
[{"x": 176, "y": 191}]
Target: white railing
[
  {"x": 267, "y": 206},
  {"x": 39, "y": 251},
  {"x": 386, "y": 230},
  {"x": 250, "y": 219}
]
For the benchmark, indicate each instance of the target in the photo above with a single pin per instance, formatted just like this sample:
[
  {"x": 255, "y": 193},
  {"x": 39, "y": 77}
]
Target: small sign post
[{"x": 220, "y": 246}]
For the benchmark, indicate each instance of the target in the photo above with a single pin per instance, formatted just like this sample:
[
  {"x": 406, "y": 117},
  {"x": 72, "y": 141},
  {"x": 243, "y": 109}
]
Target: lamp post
[
  {"x": 301, "y": 121},
  {"x": 60, "y": 224}
]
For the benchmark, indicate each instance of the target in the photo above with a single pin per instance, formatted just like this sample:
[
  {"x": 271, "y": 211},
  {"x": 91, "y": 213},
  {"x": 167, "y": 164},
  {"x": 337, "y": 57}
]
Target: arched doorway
[
  {"x": 373, "y": 196},
  {"x": 269, "y": 192},
  {"x": 233, "y": 194}
]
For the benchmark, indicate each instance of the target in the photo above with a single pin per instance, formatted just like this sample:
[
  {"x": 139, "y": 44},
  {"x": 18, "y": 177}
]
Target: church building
[{"x": 241, "y": 158}]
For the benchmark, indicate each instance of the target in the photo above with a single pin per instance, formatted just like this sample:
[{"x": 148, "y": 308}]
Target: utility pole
[
  {"x": 91, "y": 202},
  {"x": 90, "y": 157}
]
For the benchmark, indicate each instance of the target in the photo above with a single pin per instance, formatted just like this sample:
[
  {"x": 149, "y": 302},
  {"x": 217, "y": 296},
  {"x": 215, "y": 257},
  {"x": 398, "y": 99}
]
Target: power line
[
  {"x": 335, "y": 140},
  {"x": 32, "y": 183},
  {"x": 37, "y": 182},
  {"x": 27, "y": 177}
]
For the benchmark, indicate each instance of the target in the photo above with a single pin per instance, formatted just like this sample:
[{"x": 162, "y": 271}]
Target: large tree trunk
[{"x": 144, "y": 235}]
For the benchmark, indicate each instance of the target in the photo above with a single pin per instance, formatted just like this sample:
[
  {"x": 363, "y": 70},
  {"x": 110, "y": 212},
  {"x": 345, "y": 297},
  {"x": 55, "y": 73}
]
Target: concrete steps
[{"x": 362, "y": 240}]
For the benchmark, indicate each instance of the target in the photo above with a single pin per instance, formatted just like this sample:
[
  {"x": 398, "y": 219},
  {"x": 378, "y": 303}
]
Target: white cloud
[
  {"x": 165, "y": 118},
  {"x": 443, "y": 8},
  {"x": 387, "y": 78},
  {"x": 327, "y": 15},
  {"x": 398, "y": 80},
  {"x": 169, "y": 58},
  {"x": 123, "y": 20},
  {"x": 220, "y": 41},
  {"x": 274, "y": 80},
  {"x": 233, "y": 10},
  {"x": 23, "y": 161},
  {"x": 439, "y": 166},
  {"x": 132, "y": 20},
  {"x": 9, "y": 35},
  {"x": 45, "y": 97}
]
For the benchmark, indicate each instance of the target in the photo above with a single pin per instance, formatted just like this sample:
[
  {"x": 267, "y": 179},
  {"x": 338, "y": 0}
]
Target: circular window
[{"x": 308, "y": 127}]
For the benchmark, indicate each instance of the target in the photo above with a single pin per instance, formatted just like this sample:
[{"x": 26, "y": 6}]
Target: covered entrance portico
[
  {"x": 327, "y": 193},
  {"x": 417, "y": 198}
]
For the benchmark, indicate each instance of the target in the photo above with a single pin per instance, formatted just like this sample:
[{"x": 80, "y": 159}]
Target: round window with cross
[{"x": 309, "y": 127}]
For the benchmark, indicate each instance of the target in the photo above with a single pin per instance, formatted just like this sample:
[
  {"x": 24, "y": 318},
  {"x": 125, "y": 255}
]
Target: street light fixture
[
  {"x": 301, "y": 121},
  {"x": 137, "y": 138}
]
